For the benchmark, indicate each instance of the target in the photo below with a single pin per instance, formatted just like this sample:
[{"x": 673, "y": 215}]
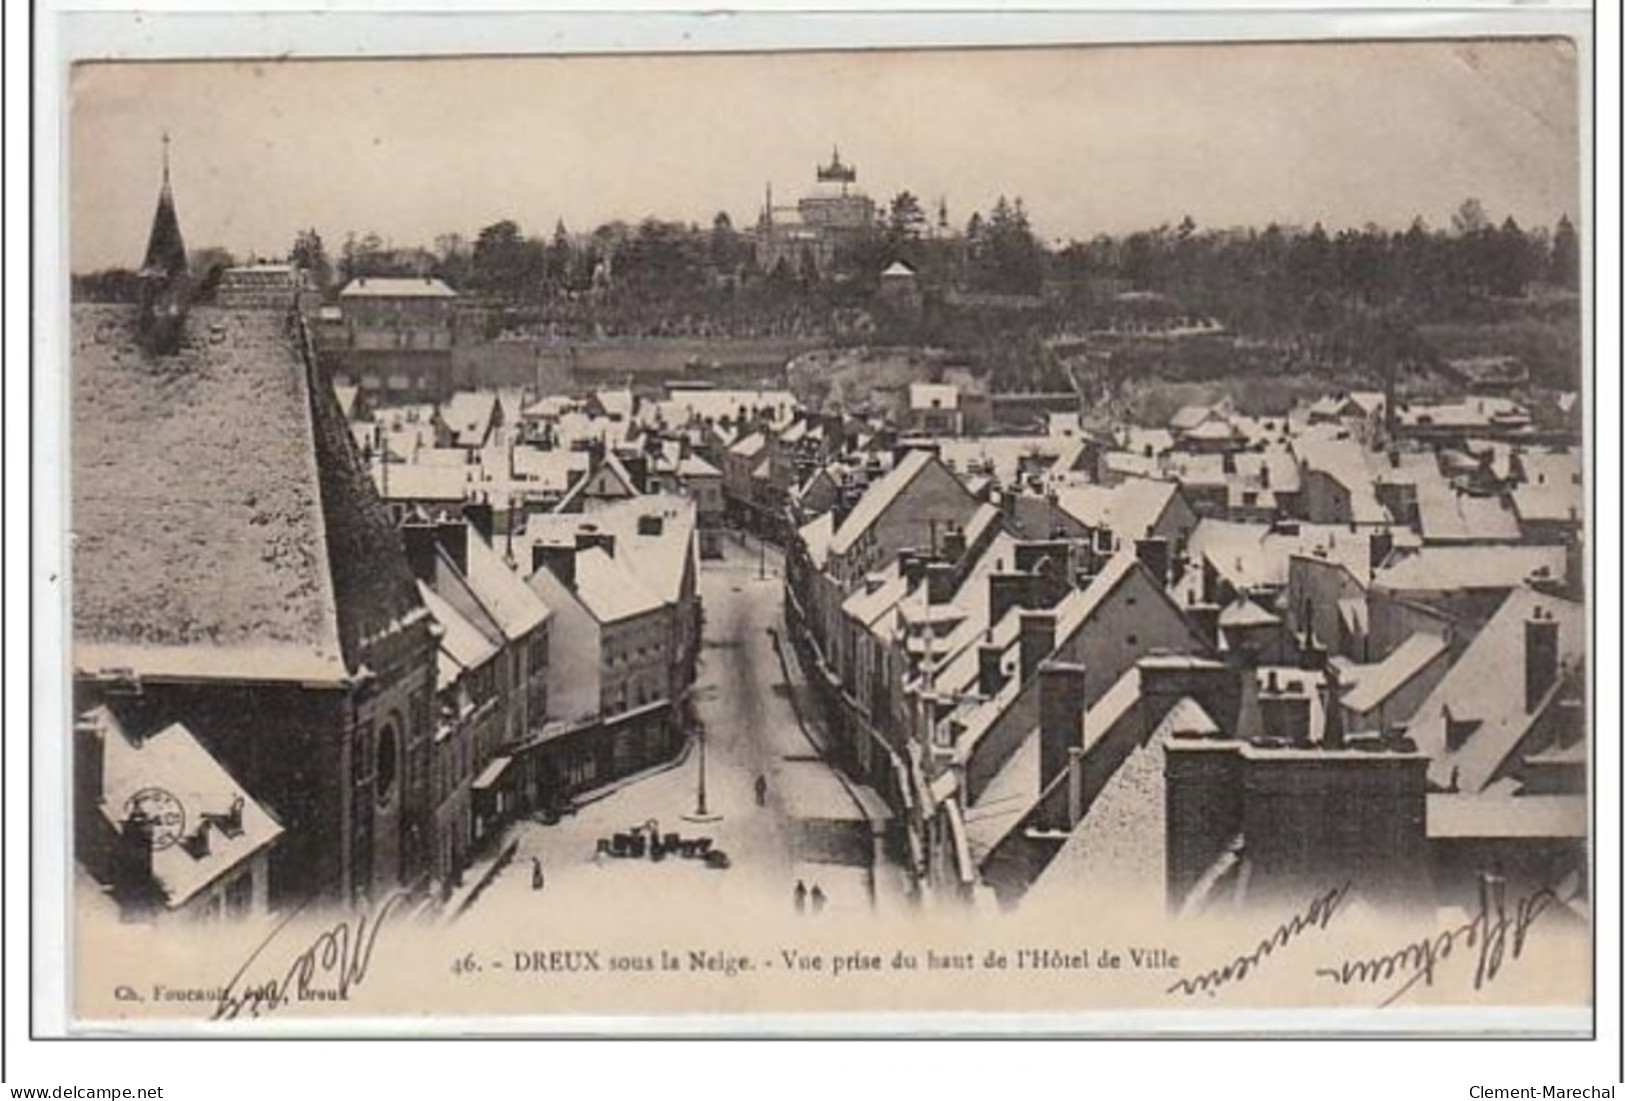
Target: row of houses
[
  {"x": 291, "y": 688},
  {"x": 1066, "y": 678}
]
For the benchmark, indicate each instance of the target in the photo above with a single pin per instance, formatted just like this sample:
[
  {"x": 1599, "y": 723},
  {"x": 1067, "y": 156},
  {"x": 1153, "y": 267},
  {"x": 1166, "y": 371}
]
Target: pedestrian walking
[
  {"x": 817, "y": 899},
  {"x": 537, "y": 880},
  {"x": 801, "y": 896},
  {"x": 761, "y": 790}
]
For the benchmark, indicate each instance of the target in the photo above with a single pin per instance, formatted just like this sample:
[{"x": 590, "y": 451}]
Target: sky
[{"x": 1094, "y": 139}]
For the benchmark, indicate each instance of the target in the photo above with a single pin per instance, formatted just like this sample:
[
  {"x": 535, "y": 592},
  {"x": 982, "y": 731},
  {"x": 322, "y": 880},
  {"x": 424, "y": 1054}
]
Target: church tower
[
  {"x": 165, "y": 285},
  {"x": 166, "y": 249}
]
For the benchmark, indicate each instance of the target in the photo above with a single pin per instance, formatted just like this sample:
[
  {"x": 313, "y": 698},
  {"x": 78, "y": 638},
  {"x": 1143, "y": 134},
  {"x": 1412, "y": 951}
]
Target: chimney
[
  {"x": 421, "y": 546},
  {"x": 841, "y": 509},
  {"x": 989, "y": 668},
  {"x": 1030, "y": 554},
  {"x": 1060, "y": 730},
  {"x": 1332, "y": 735},
  {"x": 1539, "y": 658},
  {"x": 939, "y": 582},
  {"x": 1006, "y": 591},
  {"x": 453, "y": 537},
  {"x": 912, "y": 564},
  {"x": 1382, "y": 545},
  {"x": 1153, "y": 555},
  {"x": 196, "y": 843},
  {"x": 231, "y": 823},
  {"x": 1283, "y": 709},
  {"x": 89, "y": 759},
  {"x": 558, "y": 560},
  {"x": 482, "y": 516},
  {"x": 1037, "y": 640},
  {"x": 589, "y": 537},
  {"x": 133, "y": 862}
]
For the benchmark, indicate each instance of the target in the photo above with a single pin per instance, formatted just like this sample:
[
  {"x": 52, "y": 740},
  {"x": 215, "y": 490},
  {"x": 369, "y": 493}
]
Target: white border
[{"x": 340, "y": 32}]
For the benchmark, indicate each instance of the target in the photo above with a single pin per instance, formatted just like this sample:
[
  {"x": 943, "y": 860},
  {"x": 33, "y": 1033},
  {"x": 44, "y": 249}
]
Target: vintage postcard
[{"x": 1089, "y": 534}]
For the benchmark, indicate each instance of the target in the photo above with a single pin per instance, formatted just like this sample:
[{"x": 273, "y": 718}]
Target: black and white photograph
[{"x": 1094, "y": 532}]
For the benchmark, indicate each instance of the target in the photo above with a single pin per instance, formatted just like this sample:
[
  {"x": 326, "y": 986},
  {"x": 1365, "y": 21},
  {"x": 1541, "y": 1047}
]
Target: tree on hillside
[
  {"x": 501, "y": 260},
  {"x": 1564, "y": 268},
  {"x": 309, "y": 253},
  {"x": 727, "y": 248},
  {"x": 905, "y": 218}
]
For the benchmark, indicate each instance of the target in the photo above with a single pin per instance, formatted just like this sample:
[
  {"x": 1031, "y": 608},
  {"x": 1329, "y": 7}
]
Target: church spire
[
  {"x": 166, "y": 249},
  {"x": 166, "y": 290}
]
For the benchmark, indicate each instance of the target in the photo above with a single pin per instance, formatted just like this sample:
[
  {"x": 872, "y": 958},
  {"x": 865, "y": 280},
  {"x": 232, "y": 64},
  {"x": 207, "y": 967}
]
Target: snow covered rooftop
[
  {"x": 175, "y": 762},
  {"x": 221, "y": 515}
]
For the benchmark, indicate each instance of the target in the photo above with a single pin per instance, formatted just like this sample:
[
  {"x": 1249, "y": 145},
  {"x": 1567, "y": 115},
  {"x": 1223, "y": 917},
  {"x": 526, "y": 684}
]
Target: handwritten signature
[
  {"x": 1317, "y": 915},
  {"x": 328, "y": 968},
  {"x": 1498, "y": 936}
]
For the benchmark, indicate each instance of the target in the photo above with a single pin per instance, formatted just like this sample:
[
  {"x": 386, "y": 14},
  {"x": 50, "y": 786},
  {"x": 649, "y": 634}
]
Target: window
[
  {"x": 388, "y": 762},
  {"x": 240, "y": 895},
  {"x": 1133, "y": 640}
]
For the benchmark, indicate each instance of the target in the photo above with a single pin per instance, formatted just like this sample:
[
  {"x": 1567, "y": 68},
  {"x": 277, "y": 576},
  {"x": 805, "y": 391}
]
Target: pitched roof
[
  {"x": 1116, "y": 852},
  {"x": 223, "y": 523},
  {"x": 166, "y": 248},
  {"x": 552, "y": 471},
  {"x": 512, "y": 603},
  {"x": 815, "y": 537},
  {"x": 1129, "y": 509},
  {"x": 616, "y": 403},
  {"x": 750, "y": 446},
  {"x": 462, "y": 645},
  {"x": 376, "y": 286},
  {"x": 695, "y": 467},
  {"x": 1243, "y": 612},
  {"x": 609, "y": 590},
  {"x": 1005, "y": 801},
  {"x": 174, "y": 761},
  {"x": 1388, "y": 676},
  {"x": 1486, "y": 686},
  {"x": 1078, "y": 607},
  {"x": 1439, "y": 568},
  {"x": 658, "y": 559},
  {"x": 421, "y": 481},
  {"x": 469, "y": 414},
  {"x": 1445, "y": 515},
  {"x": 879, "y": 497},
  {"x": 1346, "y": 462}
]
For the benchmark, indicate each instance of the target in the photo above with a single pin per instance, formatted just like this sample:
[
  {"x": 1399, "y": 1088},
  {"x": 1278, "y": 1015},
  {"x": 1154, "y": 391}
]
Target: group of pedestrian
[{"x": 805, "y": 898}]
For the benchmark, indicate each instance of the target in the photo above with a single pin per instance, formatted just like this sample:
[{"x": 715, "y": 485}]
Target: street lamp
[{"x": 701, "y": 813}]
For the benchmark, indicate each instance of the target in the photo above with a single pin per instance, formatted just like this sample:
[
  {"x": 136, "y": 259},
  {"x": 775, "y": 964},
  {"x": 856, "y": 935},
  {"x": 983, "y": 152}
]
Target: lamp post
[{"x": 702, "y": 813}]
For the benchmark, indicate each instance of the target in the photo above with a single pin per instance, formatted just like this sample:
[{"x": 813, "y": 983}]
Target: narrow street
[{"x": 751, "y": 730}]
